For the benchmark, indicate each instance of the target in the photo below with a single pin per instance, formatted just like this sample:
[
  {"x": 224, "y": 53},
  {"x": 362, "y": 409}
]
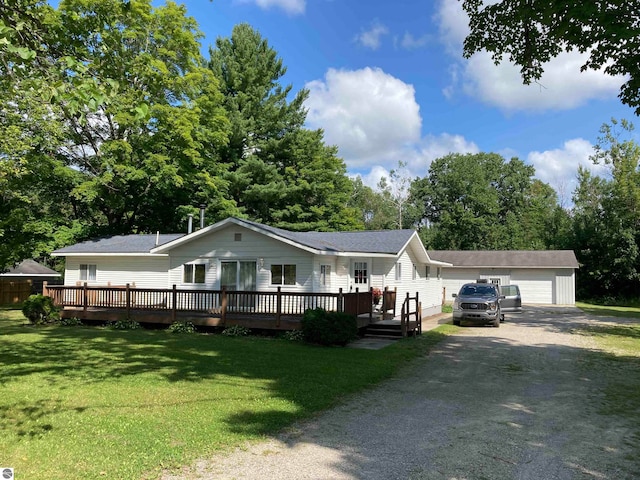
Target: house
[
  {"x": 241, "y": 255},
  {"x": 32, "y": 272},
  {"x": 544, "y": 276}
]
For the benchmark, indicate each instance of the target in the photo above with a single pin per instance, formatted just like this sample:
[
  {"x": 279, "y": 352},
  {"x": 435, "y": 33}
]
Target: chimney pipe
[
  {"x": 190, "y": 223},
  {"x": 202, "y": 207}
]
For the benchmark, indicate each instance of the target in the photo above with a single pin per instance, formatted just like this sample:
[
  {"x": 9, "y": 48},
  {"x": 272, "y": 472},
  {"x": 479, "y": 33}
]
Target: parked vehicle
[
  {"x": 512, "y": 301},
  {"x": 478, "y": 303}
]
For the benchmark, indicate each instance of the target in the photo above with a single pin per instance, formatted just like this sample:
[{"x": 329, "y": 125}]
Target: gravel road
[{"x": 508, "y": 403}]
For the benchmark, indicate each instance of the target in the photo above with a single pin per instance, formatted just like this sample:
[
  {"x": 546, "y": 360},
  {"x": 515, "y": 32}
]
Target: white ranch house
[{"x": 238, "y": 254}]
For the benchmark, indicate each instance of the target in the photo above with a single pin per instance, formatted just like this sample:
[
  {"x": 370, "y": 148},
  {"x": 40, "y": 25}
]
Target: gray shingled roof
[
  {"x": 31, "y": 268},
  {"x": 382, "y": 241},
  {"x": 120, "y": 244},
  {"x": 507, "y": 258},
  {"x": 378, "y": 241}
]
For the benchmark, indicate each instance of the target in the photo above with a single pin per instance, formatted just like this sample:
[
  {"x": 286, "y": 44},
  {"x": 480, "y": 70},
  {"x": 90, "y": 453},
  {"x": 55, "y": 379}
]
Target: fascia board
[{"x": 88, "y": 254}]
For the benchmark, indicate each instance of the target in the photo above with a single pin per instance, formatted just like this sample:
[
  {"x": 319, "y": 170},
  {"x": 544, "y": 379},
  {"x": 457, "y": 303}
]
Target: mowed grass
[
  {"x": 619, "y": 363},
  {"x": 89, "y": 403}
]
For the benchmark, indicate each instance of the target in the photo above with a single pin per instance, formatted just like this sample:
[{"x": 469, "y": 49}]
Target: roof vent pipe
[
  {"x": 202, "y": 207},
  {"x": 190, "y": 223},
  {"x": 157, "y": 238}
]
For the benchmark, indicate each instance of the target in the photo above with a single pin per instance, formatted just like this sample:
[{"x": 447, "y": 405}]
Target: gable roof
[
  {"x": 372, "y": 243},
  {"x": 119, "y": 244},
  {"x": 30, "y": 268},
  {"x": 507, "y": 258}
]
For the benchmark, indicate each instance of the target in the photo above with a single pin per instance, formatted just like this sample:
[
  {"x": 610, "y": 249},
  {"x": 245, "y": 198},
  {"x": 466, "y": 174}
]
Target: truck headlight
[{"x": 493, "y": 306}]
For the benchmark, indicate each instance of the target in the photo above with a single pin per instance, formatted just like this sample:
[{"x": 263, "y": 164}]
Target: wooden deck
[{"x": 275, "y": 310}]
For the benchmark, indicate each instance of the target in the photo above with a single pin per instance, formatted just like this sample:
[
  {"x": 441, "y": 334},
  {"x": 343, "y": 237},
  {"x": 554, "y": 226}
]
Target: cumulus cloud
[
  {"x": 559, "y": 167},
  {"x": 292, "y": 7},
  {"x": 368, "y": 113},
  {"x": 372, "y": 38},
  {"x": 562, "y": 86},
  {"x": 375, "y": 121},
  {"x": 410, "y": 42}
]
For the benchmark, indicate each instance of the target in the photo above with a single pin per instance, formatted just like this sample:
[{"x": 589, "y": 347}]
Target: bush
[
  {"x": 236, "y": 331},
  {"x": 124, "y": 325},
  {"x": 39, "y": 309},
  {"x": 293, "y": 335},
  {"x": 182, "y": 327},
  {"x": 328, "y": 328},
  {"x": 70, "y": 322}
]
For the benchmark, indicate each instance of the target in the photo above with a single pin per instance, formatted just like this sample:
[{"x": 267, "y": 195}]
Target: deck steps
[{"x": 385, "y": 328}]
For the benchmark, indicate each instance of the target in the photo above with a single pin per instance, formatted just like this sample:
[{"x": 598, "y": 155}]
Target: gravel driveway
[{"x": 508, "y": 403}]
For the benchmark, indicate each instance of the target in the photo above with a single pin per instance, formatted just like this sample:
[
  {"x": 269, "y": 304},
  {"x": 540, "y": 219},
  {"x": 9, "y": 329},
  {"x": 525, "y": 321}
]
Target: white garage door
[{"x": 536, "y": 286}]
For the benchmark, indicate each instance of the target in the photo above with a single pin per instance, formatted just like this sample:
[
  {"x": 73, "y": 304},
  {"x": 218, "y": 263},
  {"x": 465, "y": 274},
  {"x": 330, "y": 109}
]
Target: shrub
[
  {"x": 328, "y": 328},
  {"x": 236, "y": 331},
  {"x": 293, "y": 335},
  {"x": 70, "y": 322},
  {"x": 182, "y": 327},
  {"x": 124, "y": 325},
  {"x": 39, "y": 309}
]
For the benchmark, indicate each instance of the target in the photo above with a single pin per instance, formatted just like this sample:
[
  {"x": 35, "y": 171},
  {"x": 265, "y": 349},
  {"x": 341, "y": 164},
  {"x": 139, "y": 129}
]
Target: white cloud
[
  {"x": 559, "y": 167},
  {"x": 562, "y": 86},
  {"x": 368, "y": 113},
  {"x": 372, "y": 38},
  {"x": 410, "y": 42},
  {"x": 292, "y": 7}
]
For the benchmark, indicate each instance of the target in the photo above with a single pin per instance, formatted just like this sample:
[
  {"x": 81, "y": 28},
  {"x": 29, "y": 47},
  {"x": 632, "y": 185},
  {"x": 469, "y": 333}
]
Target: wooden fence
[{"x": 13, "y": 292}]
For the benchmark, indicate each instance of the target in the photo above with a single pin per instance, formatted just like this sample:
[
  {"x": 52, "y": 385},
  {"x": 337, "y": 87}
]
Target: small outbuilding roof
[
  {"x": 30, "y": 268},
  {"x": 507, "y": 258}
]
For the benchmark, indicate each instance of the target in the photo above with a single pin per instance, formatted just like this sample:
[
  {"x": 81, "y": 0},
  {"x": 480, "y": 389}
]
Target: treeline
[{"x": 113, "y": 122}]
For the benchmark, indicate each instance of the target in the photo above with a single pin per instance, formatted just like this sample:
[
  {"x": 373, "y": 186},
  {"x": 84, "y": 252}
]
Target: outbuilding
[{"x": 544, "y": 276}]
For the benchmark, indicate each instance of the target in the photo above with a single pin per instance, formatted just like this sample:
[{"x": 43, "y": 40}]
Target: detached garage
[{"x": 544, "y": 276}]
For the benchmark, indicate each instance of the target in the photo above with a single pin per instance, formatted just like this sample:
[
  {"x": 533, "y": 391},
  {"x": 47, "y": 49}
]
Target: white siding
[
  {"x": 454, "y": 278},
  {"x": 565, "y": 287},
  {"x": 536, "y": 286},
  {"x": 144, "y": 272},
  {"x": 252, "y": 246}
]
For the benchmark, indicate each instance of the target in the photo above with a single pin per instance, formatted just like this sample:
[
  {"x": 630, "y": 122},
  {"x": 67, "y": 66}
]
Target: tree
[
  {"x": 279, "y": 172},
  {"x": 607, "y": 218},
  {"x": 480, "y": 201},
  {"x": 374, "y": 210},
  {"x": 532, "y": 32},
  {"x": 396, "y": 191}
]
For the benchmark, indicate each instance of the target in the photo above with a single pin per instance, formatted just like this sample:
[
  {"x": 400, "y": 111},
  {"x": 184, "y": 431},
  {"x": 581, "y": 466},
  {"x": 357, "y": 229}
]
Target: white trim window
[
  {"x": 88, "y": 272},
  {"x": 194, "y": 273},
  {"x": 283, "y": 274},
  {"x": 427, "y": 272},
  {"x": 398, "y": 272},
  {"x": 360, "y": 273},
  {"x": 325, "y": 275},
  {"x": 439, "y": 273},
  {"x": 414, "y": 272}
]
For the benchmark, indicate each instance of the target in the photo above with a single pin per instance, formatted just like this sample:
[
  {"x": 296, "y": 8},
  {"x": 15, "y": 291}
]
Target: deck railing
[{"x": 215, "y": 302}]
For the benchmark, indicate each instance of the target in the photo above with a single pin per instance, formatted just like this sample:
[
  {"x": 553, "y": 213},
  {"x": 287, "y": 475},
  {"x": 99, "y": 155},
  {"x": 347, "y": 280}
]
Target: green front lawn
[
  {"x": 85, "y": 403},
  {"x": 609, "y": 310}
]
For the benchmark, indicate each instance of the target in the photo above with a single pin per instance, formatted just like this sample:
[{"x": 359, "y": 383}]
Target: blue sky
[{"x": 388, "y": 83}]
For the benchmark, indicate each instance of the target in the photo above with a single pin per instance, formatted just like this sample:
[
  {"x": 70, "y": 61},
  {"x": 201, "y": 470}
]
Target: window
[
  {"x": 398, "y": 272},
  {"x": 325, "y": 275},
  {"x": 495, "y": 281},
  {"x": 439, "y": 272},
  {"x": 237, "y": 237},
  {"x": 360, "y": 273},
  {"x": 88, "y": 272},
  {"x": 283, "y": 274},
  {"x": 414, "y": 273},
  {"x": 194, "y": 273},
  {"x": 427, "y": 272}
]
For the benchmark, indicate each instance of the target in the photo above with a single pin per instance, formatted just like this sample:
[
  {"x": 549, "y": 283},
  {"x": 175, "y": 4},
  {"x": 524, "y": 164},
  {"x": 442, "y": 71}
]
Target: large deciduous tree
[
  {"x": 532, "y": 32},
  {"x": 279, "y": 172},
  {"x": 607, "y": 218},
  {"x": 480, "y": 201}
]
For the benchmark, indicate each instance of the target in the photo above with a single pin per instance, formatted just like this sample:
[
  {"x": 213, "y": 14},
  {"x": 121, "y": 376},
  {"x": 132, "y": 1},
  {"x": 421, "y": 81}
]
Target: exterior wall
[
  {"x": 144, "y": 271},
  {"x": 565, "y": 286},
  {"x": 222, "y": 245},
  {"x": 537, "y": 285}
]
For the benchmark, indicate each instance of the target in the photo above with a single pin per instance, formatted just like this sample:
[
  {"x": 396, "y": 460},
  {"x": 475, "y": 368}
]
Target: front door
[
  {"x": 360, "y": 272},
  {"x": 239, "y": 276}
]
